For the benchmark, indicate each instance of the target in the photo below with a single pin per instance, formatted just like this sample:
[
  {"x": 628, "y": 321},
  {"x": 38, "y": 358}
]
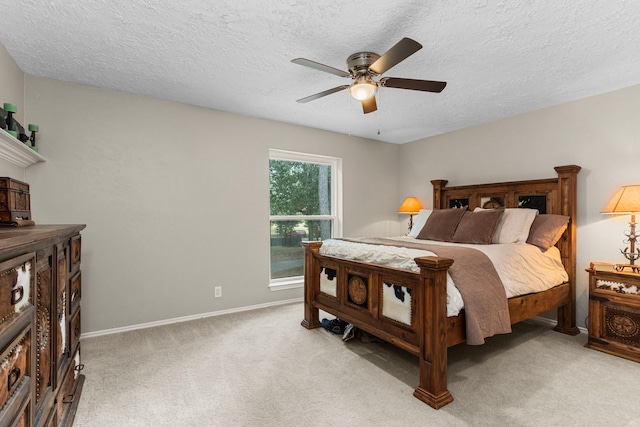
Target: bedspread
[
  {"x": 522, "y": 268},
  {"x": 485, "y": 300}
]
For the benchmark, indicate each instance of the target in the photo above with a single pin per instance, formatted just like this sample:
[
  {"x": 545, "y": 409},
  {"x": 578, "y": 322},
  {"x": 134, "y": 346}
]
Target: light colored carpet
[{"x": 261, "y": 368}]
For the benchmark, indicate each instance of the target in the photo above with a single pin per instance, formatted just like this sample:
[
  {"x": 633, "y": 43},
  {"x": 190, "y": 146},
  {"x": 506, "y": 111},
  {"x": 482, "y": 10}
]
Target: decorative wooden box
[
  {"x": 614, "y": 313},
  {"x": 15, "y": 201}
]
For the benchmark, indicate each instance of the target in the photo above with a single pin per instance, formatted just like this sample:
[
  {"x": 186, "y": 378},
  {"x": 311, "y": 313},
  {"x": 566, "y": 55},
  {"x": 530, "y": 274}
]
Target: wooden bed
[{"x": 431, "y": 332}]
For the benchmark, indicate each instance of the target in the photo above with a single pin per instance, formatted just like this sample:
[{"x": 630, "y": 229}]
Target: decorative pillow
[
  {"x": 514, "y": 225},
  {"x": 441, "y": 224},
  {"x": 477, "y": 227},
  {"x": 419, "y": 222},
  {"x": 547, "y": 229}
]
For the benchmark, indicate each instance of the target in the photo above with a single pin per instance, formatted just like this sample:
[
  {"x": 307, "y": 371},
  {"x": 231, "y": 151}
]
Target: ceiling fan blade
[
  {"x": 398, "y": 53},
  {"x": 412, "y": 84},
  {"x": 320, "y": 67},
  {"x": 369, "y": 105},
  {"x": 323, "y": 93}
]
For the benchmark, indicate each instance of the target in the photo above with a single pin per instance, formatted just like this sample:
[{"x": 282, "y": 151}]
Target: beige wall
[
  {"x": 159, "y": 184},
  {"x": 600, "y": 133},
  {"x": 11, "y": 90},
  {"x": 175, "y": 198}
]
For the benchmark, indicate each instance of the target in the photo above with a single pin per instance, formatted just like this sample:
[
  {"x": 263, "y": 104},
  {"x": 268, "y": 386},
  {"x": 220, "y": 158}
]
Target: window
[{"x": 305, "y": 205}]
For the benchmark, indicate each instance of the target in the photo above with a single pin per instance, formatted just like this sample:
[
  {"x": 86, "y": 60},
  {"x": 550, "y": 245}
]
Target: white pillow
[
  {"x": 514, "y": 225},
  {"x": 419, "y": 221}
]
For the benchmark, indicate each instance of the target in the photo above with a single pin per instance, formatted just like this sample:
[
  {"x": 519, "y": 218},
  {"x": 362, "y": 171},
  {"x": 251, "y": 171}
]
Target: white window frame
[{"x": 335, "y": 163}]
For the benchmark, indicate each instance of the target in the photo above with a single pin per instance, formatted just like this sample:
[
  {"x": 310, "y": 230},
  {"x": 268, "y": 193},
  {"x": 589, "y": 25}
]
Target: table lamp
[
  {"x": 627, "y": 201},
  {"x": 412, "y": 206}
]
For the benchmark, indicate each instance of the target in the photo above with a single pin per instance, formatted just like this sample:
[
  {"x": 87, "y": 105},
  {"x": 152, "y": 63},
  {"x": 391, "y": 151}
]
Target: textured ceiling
[{"x": 500, "y": 58}]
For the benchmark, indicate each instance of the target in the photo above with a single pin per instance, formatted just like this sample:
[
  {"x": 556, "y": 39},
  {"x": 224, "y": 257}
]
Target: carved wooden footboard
[
  {"x": 359, "y": 301},
  {"x": 358, "y": 296}
]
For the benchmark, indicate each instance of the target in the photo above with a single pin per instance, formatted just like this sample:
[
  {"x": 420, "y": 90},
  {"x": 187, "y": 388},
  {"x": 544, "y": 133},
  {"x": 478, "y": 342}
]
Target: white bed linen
[{"x": 523, "y": 268}]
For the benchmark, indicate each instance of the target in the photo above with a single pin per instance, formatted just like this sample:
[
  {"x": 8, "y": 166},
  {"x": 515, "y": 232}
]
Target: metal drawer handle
[
  {"x": 68, "y": 398},
  {"x": 13, "y": 377},
  {"x": 17, "y": 294}
]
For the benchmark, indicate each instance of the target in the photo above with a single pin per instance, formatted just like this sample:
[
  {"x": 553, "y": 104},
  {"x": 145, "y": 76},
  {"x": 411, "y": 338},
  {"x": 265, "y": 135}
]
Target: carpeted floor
[{"x": 261, "y": 368}]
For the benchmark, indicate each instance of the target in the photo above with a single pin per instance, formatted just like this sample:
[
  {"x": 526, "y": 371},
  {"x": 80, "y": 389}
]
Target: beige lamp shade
[
  {"x": 411, "y": 205},
  {"x": 625, "y": 201}
]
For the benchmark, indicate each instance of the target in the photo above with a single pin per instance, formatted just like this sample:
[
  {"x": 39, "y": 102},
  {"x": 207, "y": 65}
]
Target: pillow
[
  {"x": 547, "y": 229},
  {"x": 441, "y": 224},
  {"x": 477, "y": 227},
  {"x": 514, "y": 225},
  {"x": 419, "y": 222}
]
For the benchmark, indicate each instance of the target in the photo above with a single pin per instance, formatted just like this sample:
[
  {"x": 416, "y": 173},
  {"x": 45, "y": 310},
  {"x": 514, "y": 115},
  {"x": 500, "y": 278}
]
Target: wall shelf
[{"x": 16, "y": 152}]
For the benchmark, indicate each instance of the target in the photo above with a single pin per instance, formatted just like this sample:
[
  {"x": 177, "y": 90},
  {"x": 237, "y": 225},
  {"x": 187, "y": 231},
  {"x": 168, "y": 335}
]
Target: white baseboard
[
  {"x": 185, "y": 318},
  {"x": 235, "y": 310}
]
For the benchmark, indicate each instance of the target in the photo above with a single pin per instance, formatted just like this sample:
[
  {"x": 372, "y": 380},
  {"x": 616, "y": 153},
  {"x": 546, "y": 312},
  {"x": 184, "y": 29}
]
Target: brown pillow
[
  {"x": 547, "y": 229},
  {"x": 441, "y": 224},
  {"x": 478, "y": 227}
]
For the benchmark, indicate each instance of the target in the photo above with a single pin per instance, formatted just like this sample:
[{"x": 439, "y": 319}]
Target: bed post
[
  {"x": 432, "y": 329},
  {"x": 438, "y": 187},
  {"x": 311, "y": 284},
  {"x": 567, "y": 189}
]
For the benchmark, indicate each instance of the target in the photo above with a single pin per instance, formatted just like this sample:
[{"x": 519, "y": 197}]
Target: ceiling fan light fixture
[
  {"x": 364, "y": 67},
  {"x": 363, "y": 88}
]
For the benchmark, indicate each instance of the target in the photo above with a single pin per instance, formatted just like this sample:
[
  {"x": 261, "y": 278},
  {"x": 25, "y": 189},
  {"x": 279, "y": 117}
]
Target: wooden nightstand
[{"x": 614, "y": 312}]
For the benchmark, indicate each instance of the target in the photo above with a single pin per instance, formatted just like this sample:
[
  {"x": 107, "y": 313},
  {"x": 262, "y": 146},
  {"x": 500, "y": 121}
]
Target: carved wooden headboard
[{"x": 552, "y": 196}]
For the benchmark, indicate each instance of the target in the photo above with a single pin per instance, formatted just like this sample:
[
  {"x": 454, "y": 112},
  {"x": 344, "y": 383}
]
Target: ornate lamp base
[{"x": 634, "y": 268}]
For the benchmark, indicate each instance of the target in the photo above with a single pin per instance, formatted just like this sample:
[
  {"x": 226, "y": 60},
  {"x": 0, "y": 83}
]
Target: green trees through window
[{"x": 301, "y": 195}]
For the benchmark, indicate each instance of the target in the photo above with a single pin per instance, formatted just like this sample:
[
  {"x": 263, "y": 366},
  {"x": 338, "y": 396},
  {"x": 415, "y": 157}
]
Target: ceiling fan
[{"x": 365, "y": 66}]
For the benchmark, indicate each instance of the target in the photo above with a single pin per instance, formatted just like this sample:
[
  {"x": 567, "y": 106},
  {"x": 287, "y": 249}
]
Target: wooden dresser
[{"x": 40, "y": 289}]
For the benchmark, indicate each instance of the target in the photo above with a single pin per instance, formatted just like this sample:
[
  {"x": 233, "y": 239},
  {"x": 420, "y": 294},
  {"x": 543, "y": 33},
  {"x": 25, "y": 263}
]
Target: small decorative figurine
[{"x": 33, "y": 129}]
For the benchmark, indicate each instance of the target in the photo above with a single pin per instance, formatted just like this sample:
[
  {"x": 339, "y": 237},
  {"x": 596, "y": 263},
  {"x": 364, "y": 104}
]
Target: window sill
[{"x": 285, "y": 284}]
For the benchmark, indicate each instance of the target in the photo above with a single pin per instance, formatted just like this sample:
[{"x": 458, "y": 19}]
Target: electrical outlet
[{"x": 217, "y": 291}]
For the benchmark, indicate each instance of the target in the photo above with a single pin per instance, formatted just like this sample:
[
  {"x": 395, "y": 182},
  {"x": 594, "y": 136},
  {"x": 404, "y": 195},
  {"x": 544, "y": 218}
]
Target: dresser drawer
[
  {"x": 69, "y": 392},
  {"x": 17, "y": 280},
  {"x": 76, "y": 251},
  {"x": 15, "y": 366},
  {"x": 24, "y": 417},
  {"x": 17, "y": 411},
  {"x": 75, "y": 291},
  {"x": 65, "y": 398},
  {"x": 616, "y": 321},
  {"x": 75, "y": 331}
]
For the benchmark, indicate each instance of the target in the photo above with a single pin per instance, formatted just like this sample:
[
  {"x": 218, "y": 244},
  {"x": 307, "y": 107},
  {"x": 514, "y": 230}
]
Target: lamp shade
[
  {"x": 411, "y": 205},
  {"x": 625, "y": 201}
]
